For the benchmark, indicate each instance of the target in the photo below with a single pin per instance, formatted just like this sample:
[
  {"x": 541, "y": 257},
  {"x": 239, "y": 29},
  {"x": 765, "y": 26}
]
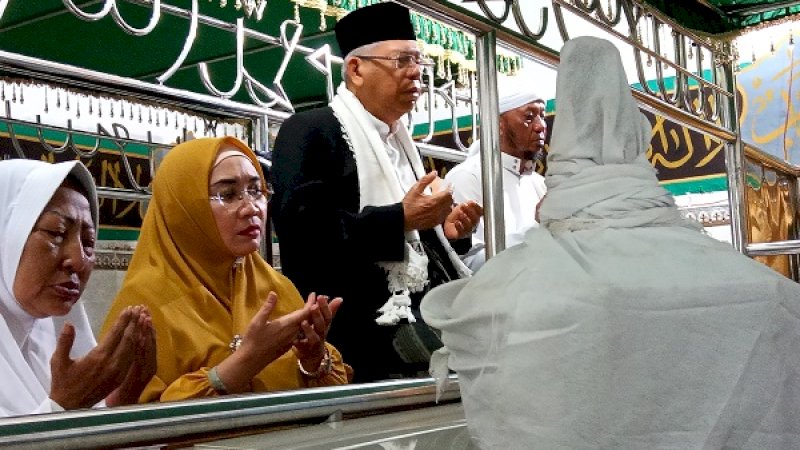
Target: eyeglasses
[
  {"x": 233, "y": 199},
  {"x": 402, "y": 61}
]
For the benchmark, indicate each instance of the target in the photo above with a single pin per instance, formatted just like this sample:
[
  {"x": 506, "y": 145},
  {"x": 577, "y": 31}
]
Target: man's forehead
[
  {"x": 399, "y": 46},
  {"x": 536, "y": 105}
]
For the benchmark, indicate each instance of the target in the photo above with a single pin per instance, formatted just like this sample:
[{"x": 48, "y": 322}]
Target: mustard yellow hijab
[{"x": 199, "y": 296}]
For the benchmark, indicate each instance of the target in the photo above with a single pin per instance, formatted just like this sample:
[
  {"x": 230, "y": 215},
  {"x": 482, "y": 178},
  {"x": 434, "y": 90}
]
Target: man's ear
[
  {"x": 501, "y": 125},
  {"x": 354, "y": 71}
]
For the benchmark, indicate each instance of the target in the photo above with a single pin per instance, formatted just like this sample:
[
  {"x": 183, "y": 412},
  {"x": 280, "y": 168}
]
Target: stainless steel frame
[
  {"x": 180, "y": 420},
  {"x": 161, "y": 424}
]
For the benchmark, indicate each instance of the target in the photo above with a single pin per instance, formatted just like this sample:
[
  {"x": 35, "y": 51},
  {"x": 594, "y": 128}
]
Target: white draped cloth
[
  {"x": 617, "y": 324},
  {"x": 27, "y": 343}
]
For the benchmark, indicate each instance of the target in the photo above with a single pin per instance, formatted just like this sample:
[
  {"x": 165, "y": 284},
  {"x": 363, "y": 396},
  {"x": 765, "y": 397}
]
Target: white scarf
[
  {"x": 27, "y": 343},
  {"x": 380, "y": 185}
]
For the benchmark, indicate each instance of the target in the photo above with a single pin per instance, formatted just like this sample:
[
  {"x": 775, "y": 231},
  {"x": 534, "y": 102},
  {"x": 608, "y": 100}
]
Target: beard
[{"x": 534, "y": 154}]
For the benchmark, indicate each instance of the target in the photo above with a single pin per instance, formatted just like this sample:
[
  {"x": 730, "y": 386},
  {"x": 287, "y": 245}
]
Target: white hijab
[
  {"x": 27, "y": 343},
  {"x": 617, "y": 324}
]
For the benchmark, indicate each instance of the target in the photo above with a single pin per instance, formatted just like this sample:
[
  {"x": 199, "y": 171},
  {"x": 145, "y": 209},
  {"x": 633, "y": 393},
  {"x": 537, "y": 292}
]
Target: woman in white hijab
[
  {"x": 48, "y": 358},
  {"x": 617, "y": 324}
]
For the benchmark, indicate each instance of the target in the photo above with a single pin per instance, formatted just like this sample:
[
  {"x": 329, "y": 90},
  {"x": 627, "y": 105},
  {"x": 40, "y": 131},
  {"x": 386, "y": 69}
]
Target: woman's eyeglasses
[{"x": 233, "y": 199}]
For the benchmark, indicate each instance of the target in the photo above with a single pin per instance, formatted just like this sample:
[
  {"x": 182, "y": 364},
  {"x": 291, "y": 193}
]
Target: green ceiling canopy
[{"x": 726, "y": 16}]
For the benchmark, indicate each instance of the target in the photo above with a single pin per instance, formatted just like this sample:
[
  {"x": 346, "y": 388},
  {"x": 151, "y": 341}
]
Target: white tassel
[
  {"x": 440, "y": 371},
  {"x": 396, "y": 308}
]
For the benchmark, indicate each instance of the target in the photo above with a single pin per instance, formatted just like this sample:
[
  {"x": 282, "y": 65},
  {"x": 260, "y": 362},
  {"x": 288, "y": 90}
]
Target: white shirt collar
[
  {"x": 513, "y": 164},
  {"x": 384, "y": 130}
]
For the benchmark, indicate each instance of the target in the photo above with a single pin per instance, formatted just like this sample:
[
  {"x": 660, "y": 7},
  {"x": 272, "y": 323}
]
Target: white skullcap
[{"x": 516, "y": 91}]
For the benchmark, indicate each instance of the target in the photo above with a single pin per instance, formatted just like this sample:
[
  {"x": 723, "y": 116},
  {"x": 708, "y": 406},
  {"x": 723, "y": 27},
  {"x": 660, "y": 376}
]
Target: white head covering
[
  {"x": 516, "y": 91},
  {"x": 27, "y": 343},
  {"x": 600, "y": 135},
  {"x": 616, "y": 324}
]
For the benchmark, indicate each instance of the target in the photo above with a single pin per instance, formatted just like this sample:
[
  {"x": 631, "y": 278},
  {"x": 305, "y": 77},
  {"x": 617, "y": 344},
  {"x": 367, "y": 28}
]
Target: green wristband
[{"x": 216, "y": 382}]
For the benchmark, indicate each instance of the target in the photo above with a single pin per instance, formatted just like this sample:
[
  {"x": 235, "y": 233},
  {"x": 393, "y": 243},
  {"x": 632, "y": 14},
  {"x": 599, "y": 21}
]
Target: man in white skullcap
[
  {"x": 618, "y": 324},
  {"x": 522, "y": 134}
]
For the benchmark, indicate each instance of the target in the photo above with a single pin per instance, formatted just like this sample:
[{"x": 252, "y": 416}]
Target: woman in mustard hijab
[{"x": 226, "y": 321}]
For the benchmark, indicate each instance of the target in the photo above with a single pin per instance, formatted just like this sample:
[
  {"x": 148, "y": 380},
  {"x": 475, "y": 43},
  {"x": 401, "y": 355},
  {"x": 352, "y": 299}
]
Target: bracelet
[
  {"x": 235, "y": 343},
  {"x": 216, "y": 382},
  {"x": 324, "y": 368}
]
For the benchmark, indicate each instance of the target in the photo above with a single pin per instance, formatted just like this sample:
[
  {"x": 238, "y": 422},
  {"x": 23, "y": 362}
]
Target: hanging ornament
[{"x": 46, "y": 107}]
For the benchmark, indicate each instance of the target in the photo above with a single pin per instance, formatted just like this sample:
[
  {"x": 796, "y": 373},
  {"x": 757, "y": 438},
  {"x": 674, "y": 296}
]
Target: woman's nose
[
  {"x": 75, "y": 256},
  {"x": 249, "y": 207}
]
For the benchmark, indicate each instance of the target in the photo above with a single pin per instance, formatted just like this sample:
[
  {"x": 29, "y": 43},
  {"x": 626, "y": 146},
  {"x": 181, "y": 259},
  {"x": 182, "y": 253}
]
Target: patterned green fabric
[{"x": 452, "y": 49}]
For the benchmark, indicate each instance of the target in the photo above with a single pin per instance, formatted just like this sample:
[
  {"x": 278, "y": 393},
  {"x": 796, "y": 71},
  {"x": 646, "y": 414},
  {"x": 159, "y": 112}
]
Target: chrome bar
[
  {"x": 491, "y": 165},
  {"x": 459, "y": 17},
  {"x": 734, "y": 163},
  {"x": 164, "y": 422},
  {"x": 735, "y": 174},
  {"x": 765, "y": 159},
  {"x": 122, "y": 194},
  {"x": 464, "y": 19},
  {"x": 435, "y": 151},
  {"x": 77, "y": 76},
  {"x": 791, "y": 247}
]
